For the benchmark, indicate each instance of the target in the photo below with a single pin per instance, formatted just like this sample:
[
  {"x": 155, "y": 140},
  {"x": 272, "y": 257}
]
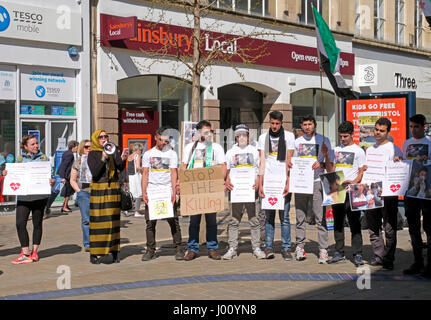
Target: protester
[
  {"x": 414, "y": 206},
  {"x": 134, "y": 171},
  {"x": 203, "y": 153},
  {"x": 34, "y": 204},
  {"x": 387, "y": 151},
  {"x": 80, "y": 179},
  {"x": 63, "y": 171},
  {"x": 324, "y": 156},
  {"x": 153, "y": 177},
  {"x": 241, "y": 155},
  {"x": 105, "y": 199},
  {"x": 350, "y": 159},
  {"x": 276, "y": 148}
]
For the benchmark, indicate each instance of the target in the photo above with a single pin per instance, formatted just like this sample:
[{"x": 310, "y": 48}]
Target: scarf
[
  {"x": 95, "y": 146},
  {"x": 281, "y": 153}
]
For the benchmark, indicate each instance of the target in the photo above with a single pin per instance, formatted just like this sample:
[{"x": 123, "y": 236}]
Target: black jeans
[
  {"x": 340, "y": 211},
  {"x": 413, "y": 213},
  {"x": 383, "y": 252},
  {"x": 23, "y": 209}
]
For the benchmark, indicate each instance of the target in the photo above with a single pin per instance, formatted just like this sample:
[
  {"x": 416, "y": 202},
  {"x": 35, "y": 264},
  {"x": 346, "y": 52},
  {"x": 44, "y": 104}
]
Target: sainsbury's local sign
[
  {"x": 172, "y": 40},
  {"x": 59, "y": 24}
]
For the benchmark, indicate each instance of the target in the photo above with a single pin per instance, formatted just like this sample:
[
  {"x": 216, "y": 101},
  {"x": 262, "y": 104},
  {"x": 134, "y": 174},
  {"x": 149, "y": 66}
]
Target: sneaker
[
  {"x": 337, "y": 257},
  {"x": 323, "y": 256},
  {"x": 22, "y": 259},
  {"x": 357, "y": 260},
  {"x": 34, "y": 256},
  {"x": 300, "y": 254},
  {"x": 149, "y": 255},
  {"x": 269, "y": 254},
  {"x": 179, "y": 255},
  {"x": 138, "y": 215},
  {"x": 415, "y": 268},
  {"x": 286, "y": 255},
  {"x": 259, "y": 254},
  {"x": 388, "y": 265},
  {"x": 230, "y": 254}
]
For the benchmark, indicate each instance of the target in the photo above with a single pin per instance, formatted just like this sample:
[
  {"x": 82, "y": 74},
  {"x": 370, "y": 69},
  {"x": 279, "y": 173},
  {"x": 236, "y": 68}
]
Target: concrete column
[
  {"x": 284, "y": 108},
  {"x": 107, "y": 115}
]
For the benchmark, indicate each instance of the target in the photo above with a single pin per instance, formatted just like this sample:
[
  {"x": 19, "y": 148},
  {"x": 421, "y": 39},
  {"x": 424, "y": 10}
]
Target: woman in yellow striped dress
[{"x": 104, "y": 200}]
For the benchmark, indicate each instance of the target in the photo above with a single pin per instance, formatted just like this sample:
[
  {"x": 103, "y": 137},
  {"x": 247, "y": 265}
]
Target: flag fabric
[
  {"x": 330, "y": 58},
  {"x": 426, "y": 8}
]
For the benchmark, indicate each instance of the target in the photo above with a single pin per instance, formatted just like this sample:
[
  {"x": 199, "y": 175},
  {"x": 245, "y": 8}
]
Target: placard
[
  {"x": 159, "y": 203},
  {"x": 242, "y": 180},
  {"x": 396, "y": 179},
  {"x": 201, "y": 190},
  {"x": 273, "y": 187},
  {"x": 188, "y": 131},
  {"x": 27, "y": 178},
  {"x": 332, "y": 189},
  {"x": 420, "y": 182},
  {"x": 366, "y": 196},
  {"x": 301, "y": 178}
]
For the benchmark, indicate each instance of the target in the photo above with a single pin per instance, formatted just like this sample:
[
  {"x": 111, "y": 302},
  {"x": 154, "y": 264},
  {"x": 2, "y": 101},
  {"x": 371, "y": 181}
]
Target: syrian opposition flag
[
  {"x": 330, "y": 58},
  {"x": 426, "y": 8}
]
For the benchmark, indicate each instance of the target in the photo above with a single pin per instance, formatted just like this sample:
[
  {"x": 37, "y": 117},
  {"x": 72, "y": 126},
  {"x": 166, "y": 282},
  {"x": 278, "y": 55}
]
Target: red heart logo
[
  {"x": 15, "y": 186},
  {"x": 272, "y": 201},
  {"x": 395, "y": 187}
]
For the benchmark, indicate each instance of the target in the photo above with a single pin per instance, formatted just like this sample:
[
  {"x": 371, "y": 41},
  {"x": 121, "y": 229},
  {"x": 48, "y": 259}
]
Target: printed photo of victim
[
  {"x": 333, "y": 191},
  {"x": 366, "y": 196},
  {"x": 419, "y": 185},
  {"x": 308, "y": 150}
]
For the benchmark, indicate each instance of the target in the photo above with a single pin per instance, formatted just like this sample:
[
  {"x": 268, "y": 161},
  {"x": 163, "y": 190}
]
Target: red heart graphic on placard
[
  {"x": 395, "y": 187},
  {"x": 272, "y": 201},
  {"x": 15, "y": 186}
]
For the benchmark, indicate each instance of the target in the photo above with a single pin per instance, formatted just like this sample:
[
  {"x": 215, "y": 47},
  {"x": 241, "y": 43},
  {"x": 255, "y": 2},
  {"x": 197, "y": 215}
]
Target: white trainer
[
  {"x": 323, "y": 256},
  {"x": 259, "y": 254},
  {"x": 300, "y": 254},
  {"x": 230, "y": 254}
]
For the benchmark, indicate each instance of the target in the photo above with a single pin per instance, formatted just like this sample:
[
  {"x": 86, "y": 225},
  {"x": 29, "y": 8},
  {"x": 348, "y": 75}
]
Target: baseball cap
[{"x": 241, "y": 128}]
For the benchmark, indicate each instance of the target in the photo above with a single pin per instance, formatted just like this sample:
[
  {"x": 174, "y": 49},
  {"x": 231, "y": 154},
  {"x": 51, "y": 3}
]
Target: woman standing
[
  {"x": 134, "y": 171},
  {"x": 105, "y": 199},
  {"x": 80, "y": 179},
  {"x": 64, "y": 170},
  {"x": 31, "y": 203}
]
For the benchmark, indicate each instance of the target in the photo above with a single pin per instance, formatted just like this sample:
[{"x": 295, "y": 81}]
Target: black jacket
[{"x": 65, "y": 167}]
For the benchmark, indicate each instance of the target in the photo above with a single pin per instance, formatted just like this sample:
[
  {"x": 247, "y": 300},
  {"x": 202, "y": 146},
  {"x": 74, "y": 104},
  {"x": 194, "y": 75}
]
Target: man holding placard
[
  {"x": 418, "y": 147},
  {"x": 242, "y": 163},
  {"x": 378, "y": 157},
  {"x": 276, "y": 148},
  {"x": 317, "y": 147},
  {"x": 203, "y": 153},
  {"x": 349, "y": 158},
  {"x": 159, "y": 180}
]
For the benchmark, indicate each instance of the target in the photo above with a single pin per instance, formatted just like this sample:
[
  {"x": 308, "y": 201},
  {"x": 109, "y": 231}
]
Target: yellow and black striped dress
[{"x": 105, "y": 209}]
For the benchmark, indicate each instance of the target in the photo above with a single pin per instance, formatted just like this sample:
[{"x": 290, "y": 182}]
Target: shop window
[
  {"x": 7, "y": 133},
  {"x": 379, "y": 19},
  {"x": 399, "y": 22},
  {"x": 309, "y": 102},
  {"x": 306, "y": 15},
  {"x": 417, "y": 41}
]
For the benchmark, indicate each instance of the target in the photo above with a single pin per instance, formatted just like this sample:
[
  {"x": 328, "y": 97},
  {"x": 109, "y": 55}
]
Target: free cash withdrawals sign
[{"x": 202, "y": 190}]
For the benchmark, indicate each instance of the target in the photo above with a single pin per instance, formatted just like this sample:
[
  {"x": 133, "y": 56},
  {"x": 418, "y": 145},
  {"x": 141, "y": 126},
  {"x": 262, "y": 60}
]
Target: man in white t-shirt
[
  {"x": 349, "y": 158},
  {"x": 243, "y": 155},
  {"x": 199, "y": 154},
  {"x": 276, "y": 148},
  {"x": 418, "y": 147},
  {"x": 387, "y": 151},
  {"x": 160, "y": 169},
  {"x": 312, "y": 145}
]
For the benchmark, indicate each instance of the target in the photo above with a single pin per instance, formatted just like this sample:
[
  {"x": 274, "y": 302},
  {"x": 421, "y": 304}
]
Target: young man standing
[
  {"x": 349, "y": 158},
  {"x": 243, "y": 155},
  {"x": 160, "y": 169},
  {"x": 414, "y": 206},
  {"x": 386, "y": 151},
  {"x": 318, "y": 148},
  {"x": 276, "y": 148},
  {"x": 199, "y": 154}
]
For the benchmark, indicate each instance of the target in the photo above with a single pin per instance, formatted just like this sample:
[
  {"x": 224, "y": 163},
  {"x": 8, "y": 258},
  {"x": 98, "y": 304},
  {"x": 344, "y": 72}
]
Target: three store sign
[{"x": 165, "y": 39}]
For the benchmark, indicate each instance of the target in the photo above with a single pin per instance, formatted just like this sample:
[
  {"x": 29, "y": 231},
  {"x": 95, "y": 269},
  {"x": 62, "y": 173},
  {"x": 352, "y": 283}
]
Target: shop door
[{"x": 37, "y": 127}]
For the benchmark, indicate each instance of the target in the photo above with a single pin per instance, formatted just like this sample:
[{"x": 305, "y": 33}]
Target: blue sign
[
  {"x": 36, "y": 133},
  {"x": 57, "y": 159},
  {"x": 40, "y": 91},
  {"x": 10, "y": 158},
  {"x": 4, "y": 19},
  {"x": 73, "y": 51}
]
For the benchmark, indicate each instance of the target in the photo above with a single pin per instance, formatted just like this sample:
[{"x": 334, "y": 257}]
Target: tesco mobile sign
[{"x": 131, "y": 33}]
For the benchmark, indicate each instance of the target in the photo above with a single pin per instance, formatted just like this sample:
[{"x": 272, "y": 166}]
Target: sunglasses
[
  {"x": 87, "y": 147},
  {"x": 241, "y": 135},
  {"x": 104, "y": 136}
]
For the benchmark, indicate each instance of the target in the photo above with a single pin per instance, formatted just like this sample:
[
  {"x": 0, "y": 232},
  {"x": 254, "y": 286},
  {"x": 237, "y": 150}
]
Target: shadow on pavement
[
  {"x": 63, "y": 249},
  {"x": 10, "y": 252}
]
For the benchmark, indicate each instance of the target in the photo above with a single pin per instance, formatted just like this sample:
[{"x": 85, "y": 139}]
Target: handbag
[{"x": 126, "y": 199}]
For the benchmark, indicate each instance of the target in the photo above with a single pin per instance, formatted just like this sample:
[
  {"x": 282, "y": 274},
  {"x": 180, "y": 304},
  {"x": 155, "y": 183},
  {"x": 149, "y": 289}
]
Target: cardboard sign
[{"x": 202, "y": 190}]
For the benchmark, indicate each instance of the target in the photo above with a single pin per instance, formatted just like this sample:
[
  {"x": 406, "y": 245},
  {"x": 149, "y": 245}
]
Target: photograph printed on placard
[
  {"x": 366, "y": 196},
  {"x": 333, "y": 191},
  {"x": 420, "y": 183}
]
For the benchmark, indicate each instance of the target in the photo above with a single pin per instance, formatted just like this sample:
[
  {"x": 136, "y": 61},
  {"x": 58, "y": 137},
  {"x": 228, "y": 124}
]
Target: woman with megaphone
[{"x": 105, "y": 163}]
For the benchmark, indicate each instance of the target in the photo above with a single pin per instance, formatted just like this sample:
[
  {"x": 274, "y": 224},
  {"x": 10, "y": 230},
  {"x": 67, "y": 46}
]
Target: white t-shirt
[
  {"x": 349, "y": 159},
  {"x": 312, "y": 148},
  {"x": 243, "y": 157},
  {"x": 413, "y": 148},
  {"x": 197, "y": 158},
  {"x": 159, "y": 164},
  {"x": 389, "y": 150},
  {"x": 272, "y": 165}
]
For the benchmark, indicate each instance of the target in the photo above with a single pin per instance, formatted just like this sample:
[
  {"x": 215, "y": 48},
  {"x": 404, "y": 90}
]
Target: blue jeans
[
  {"x": 286, "y": 242},
  {"x": 211, "y": 224},
  {"x": 83, "y": 200}
]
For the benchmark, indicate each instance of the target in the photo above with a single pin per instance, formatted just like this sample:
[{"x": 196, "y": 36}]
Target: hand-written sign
[{"x": 201, "y": 190}]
